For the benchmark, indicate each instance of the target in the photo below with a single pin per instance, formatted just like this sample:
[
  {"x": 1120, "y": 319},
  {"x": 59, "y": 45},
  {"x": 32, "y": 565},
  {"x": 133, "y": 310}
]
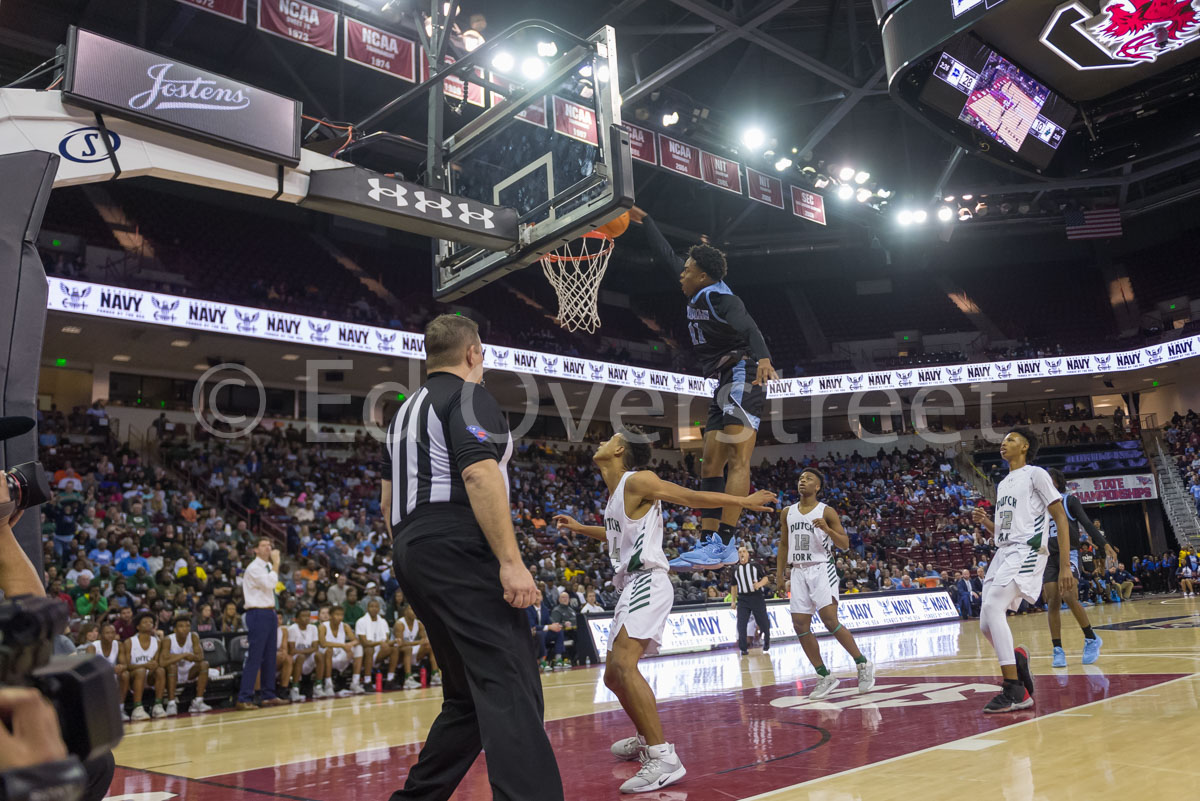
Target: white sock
[
  {"x": 391, "y": 677},
  {"x": 663, "y": 751},
  {"x": 328, "y": 684}
]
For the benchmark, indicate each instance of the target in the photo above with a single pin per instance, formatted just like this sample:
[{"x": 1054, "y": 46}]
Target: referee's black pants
[
  {"x": 752, "y": 603},
  {"x": 491, "y": 688}
]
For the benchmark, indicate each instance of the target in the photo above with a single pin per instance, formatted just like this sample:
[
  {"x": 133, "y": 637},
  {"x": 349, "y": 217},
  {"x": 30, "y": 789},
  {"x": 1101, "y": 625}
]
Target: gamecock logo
[{"x": 1124, "y": 33}]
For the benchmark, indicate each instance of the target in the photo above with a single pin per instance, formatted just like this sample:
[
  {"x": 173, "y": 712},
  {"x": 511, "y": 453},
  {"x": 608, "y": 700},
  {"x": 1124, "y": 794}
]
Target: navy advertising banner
[{"x": 113, "y": 77}]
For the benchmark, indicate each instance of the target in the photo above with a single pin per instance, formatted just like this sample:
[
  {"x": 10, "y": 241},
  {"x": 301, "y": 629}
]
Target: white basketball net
[{"x": 575, "y": 271}]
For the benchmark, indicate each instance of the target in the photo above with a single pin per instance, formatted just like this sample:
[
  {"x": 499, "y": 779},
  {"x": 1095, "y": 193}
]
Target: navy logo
[
  {"x": 85, "y": 146},
  {"x": 855, "y": 383},
  {"x": 550, "y": 365},
  {"x": 955, "y": 373},
  {"x": 905, "y": 378},
  {"x": 318, "y": 331},
  {"x": 639, "y": 377},
  {"x": 385, "y": 342},
  {"x": 806, "y": 386},
  {"x": 166, "y": 311},
  {"x": 597, "y": 369},
  {"x": 246, "y": 321},
  {"x": 74, "y": 297},
  {"x": 1102, "y": 362},
  {"x": 500, "y": 357},
  {"x": 677, "y": 382},
  {"x": 1155, "y": 354}
]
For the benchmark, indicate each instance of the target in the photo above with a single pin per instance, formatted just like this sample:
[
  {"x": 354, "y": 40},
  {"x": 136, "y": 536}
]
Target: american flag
[{"x": 1098, "y": 224}]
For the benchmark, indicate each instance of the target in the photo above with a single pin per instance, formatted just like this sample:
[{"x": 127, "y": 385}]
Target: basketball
[{"x": 616, "y": 227}]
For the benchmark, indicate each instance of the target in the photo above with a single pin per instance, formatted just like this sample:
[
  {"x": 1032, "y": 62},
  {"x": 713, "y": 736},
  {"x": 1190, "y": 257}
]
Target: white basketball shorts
[
  {"x": 643, "y": 608},
  {"x": 1017, "y": 564},
  {"x": 814, "y": 587}
]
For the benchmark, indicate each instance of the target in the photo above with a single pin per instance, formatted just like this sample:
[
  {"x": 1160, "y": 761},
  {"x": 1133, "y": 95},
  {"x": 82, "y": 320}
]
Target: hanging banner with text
[
  {"x": 231, "y": 9},
  {"x": 575, "y": 121},
  {"x": 300, "y": 22},
  {"x": 376, "y": 48},
  {"x": 534, "y": 113},
  {"x": 721, "y": 173},
  {"x": 764, "y": 188},
  {"x": 641, "y": 143},
  {"x": 808, "y": 205},
  {"x": 678, "y": 157},
  {"x": 1113, "y": 489}
]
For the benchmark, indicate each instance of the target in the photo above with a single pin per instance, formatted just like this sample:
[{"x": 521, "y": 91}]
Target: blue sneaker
[
  {"x": 1060, "y": 657},
  {"x": 680, "y": 565},
  {"x": 713, "y": 553},
  {"x": 1091, "y": 650}
]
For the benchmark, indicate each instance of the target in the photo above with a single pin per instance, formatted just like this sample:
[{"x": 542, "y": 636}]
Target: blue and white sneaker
[
  {"x": 713, "y": 553},
  {"x": 1060, "y": 657},
  {"x": 1091, "y": 650}
]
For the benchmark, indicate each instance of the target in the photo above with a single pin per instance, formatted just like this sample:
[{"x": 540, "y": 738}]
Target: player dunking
[
  {"x": 1026, "y": 501},
  {"x": 1076, "y": 517},
  {"x": 729, "y": 347},
  {"x": 808, "y": 529},
  {"x": 633, "y": 528}
]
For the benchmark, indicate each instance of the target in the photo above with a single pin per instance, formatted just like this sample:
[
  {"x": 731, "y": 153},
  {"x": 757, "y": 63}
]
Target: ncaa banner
[
  {"x": 1114, "y": 489},
  {"x": 300, "y": 22},
  {"x": 230, "y": 9},
  {"x": 716, "y": 626},
  {"x": 380, "y": 50}
]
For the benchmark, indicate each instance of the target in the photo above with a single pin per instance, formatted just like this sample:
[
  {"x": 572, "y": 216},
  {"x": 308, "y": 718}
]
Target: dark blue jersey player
[{"x": 731, "y": 349}]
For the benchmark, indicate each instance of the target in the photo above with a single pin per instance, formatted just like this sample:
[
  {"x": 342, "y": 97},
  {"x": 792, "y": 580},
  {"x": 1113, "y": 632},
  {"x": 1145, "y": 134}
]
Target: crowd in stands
[{"x": 1182, "y": 437}]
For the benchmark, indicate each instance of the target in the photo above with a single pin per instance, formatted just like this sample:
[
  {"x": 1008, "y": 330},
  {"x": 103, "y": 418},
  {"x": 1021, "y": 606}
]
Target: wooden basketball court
[{"x": 1122, "y": 728}]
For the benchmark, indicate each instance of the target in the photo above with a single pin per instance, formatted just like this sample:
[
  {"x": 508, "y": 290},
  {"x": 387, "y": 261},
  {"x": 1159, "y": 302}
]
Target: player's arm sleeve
[
  {"x": 731, "y": 309},
  {"x": 478, "y": 430},
  {"x": 663, "y": 251},
  {"x": 1077, "y": 512}
]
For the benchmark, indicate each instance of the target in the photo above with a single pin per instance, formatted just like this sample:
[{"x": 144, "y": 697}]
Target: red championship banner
[
  {"x": 808, "y": 205},
  {"x": 575, "y": 121},
  {"x": 476, "y": 94},
  {"x": 764, "y": 188},
  {"x": 300, "y": 22},
  {"x": 721, "y": 173},
  {"x": 454, "y": 87},
  {"x": 641, "y": 142},
  {"x": 534, "y": 113},
  {"x": 681, "y": 158},
  {"x": 380, "y": 50},
  {"x": 231, "y": 9}
]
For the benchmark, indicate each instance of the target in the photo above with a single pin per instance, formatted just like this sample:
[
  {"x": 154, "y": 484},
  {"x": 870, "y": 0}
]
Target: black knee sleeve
[{"x": 712, "y": 484}]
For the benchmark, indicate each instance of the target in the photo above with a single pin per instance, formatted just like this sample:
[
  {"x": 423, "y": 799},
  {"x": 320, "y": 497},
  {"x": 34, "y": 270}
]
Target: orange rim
[{"x": 608, "y": 240}]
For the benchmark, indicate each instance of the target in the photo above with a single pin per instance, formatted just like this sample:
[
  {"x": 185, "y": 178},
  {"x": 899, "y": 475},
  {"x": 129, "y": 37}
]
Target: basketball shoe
[
  {"x": 1060, "y": 657},
  {"x": 713, "y": 553},
  {"x": 825, "y": 685},
  {"x": 1014, "y": 697},
  {"x": 660, "y": 767},
  {"x": 628, "y": 749},
  {"x": 1091, "y": 650},
  {"x": 1023, "y": 672}
]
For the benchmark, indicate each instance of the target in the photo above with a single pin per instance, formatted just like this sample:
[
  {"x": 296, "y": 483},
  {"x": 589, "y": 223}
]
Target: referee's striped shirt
[
  {"x": 747, "y": 576},
  {"x": 444, "y": 428}
]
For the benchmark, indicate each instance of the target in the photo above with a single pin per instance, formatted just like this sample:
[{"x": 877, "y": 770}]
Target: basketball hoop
[{"x": 575, "y": 271}]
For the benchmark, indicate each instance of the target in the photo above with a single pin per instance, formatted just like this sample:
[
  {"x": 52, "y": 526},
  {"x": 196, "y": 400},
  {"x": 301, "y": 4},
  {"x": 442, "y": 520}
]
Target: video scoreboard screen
[{"x": 975, "y": 85}]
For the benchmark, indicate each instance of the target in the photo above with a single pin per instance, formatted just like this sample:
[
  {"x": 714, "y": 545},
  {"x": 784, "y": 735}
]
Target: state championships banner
[{"x": 1113, "y": 489}]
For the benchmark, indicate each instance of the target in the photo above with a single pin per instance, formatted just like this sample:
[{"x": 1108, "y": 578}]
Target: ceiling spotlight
[
  {"x": 944, "y": 214},
  {"x": 754, "y": 138},
  {"x": 503, "y": 62},
  {"x": 861, "y": 177},
  {"x": 586, "y": 70},
  {"x": 949, "y": 198},
  {"x": 71, "y": 329},
  {"x": 845, "y": 191},
  {"x": 602, "y": 73},
  {"x": 783, "y": 164},
  {"x": 121, "y": 357},
  {"x": 884, "y": 193},
  {"x": 670, "y": 119},
  {"x": 862, "y": 195},
  {"x": 905, "y": 217},
  {"x": 821, "y": 181},
  {"x": 533, "y": 68},
  {"x": 547, "y": 49},
  {"x": 968, "y": 197},
  {"x": 964, "y": 214},
  {"x": 919, "y": 216},
  {"x": 471, "y": 39},
  {"x": 846, "y": 174}
]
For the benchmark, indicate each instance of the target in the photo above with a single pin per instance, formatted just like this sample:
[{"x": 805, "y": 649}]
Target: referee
[
  {"x": 456, "y": 558},
  {"x": 750, "y": 600}
]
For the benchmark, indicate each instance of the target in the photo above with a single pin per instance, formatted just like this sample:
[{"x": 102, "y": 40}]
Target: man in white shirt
[
  {"x": 258, "y": 588},
  {"x": 374, "y": 634}
]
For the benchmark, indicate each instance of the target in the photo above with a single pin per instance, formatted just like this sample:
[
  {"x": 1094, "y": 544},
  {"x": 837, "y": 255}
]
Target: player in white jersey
[
  {"x": 375, "y": 636},
  {"x": 1026, "y": 501},
  {"x": 109, "y": 648},
  {"x": 809, "y": 532},
  {"x": 184, "y": 662},
  {"x": 633, "y": 528},
  {"x": 341, "y": 650},
  {"x": 303, "y": 649},
  {"x": 139, "y": 655},
  {"x": 412, "y": 643}
]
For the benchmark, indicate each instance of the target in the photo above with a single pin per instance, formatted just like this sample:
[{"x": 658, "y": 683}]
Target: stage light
[
  {"x": 471, "y": 39},
  {"x": 964, "y": 214},
  {"x": 821, "y": 181},
  {"x": 945, "y": 214},
  {"x": 670, "y": 119},
  {"x": 602, "y": 73},
  {"x": 845, "y": 192},
  {"x": 754, "y": 138},
  {"x": 968, "y": 197},
  {"x": 547, "y": 49},
  {"x": 586, "y": 71},
  {"x": 782, "y": 164},
  {"x": 949, "y": 198},
  {"x": 861, "y": 177},
  {"x": 533, "y": 68},
  {"x": 920, "y": 216},
  {"x": 846, "y": 174},
  {"x": 905, "y": 217},
  {"x": 862, "y": 195},
  {"x": 884, "y": 193},
  {"x": 503, "y": 62}
]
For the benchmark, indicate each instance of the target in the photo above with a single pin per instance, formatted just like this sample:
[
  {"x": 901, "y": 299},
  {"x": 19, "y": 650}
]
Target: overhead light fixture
[
  {"x": 383, "y": 368},
  {"x": 846, "y": 174},
  {"x": 821, "y": 181},
  {"x": 949, "y": 198},
  {"x": 180, "y": 343},
  {"x": 863, "y": 194},
  {"x": 861, "y": 177},
  {"x": 754, "y": 138},
  {"x": 200, "y": 366},
  {"x": 845, "y": 191},
  {"x": 471, "y": 39},
  {"x": 602, "y": 73},
  {"x": 533, "y": 68},
  {"x": 884, "y": 193},
  {"x": 920, "y": 216},
  {"x": 782, "y": 164},
  {"x": 905, "y": 217},
  {"x": 945, "y": 214},
  {"x": 547, "y": 49},
  {"x": 72, "y": 329},
  {"x": 586, "y": 70},
  {"x": 968, "y": 197},
  {"x": 503, "y": 62},
  {"x": 121, "y": 357},
  {"x": 670, "y": 119},
  {"x": 964, "y": 214},
  {"x": 290, "y": 357}
]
